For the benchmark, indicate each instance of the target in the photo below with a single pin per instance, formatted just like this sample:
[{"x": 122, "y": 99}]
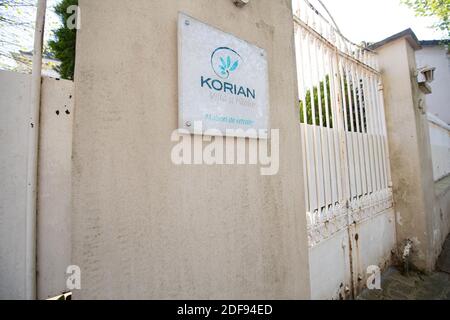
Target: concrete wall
[
  {"x": 440, "y": 146},
  {"x": 53, "y": 190},
  {"x": 438, "y": 102},
  {"x": 145, "y": 228},
  {"x": 410, "y": 151},
  {"x": 440, "y": 149},
  {"x": 441, "y": 214},
  {"x": 438, "y": 106},
  {"x": 14, "y": 106}
]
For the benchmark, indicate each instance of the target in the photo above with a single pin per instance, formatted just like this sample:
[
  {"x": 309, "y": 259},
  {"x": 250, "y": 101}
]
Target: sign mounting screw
[
  {"x": 187, "y": 22},
  {"x": 241, "y": 3},
  {"x": 188, "y": 124}
]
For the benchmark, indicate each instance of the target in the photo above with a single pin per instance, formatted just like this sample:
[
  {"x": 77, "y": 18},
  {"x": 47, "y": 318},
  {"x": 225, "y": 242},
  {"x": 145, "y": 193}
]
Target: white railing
[
  {"x": 440, "y": 146},
  {"x": 344, "y": 136}
]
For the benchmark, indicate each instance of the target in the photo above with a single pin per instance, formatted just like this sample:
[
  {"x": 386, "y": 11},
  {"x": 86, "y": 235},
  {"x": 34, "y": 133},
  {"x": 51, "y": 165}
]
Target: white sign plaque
[{"x": 223, "y": 81}]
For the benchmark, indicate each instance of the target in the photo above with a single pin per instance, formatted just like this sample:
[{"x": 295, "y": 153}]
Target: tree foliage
[
  {"x": 16, "y": 28},
  {"x": 432, "y": 8},
  {"x": 63, "y": 46},
  {"x": 354, "y": 102},
  {"x": 309, "y": 103}
]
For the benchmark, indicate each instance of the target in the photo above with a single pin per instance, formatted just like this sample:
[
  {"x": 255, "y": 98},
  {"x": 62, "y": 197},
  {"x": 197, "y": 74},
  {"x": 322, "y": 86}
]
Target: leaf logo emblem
[{"x": 224, "y": 61}]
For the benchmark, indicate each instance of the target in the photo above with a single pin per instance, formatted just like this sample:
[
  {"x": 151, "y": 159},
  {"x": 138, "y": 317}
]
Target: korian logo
[{"x": 224, "y": 61}]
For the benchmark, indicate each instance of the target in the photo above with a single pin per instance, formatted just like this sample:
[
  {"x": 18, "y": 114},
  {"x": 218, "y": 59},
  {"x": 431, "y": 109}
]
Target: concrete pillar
[
  {"x": 409, "y": 148},
  {"x": 145, "y": 228}
]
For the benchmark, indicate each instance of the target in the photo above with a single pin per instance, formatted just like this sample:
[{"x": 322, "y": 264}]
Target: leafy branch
[{"x": 432, "y": 8}]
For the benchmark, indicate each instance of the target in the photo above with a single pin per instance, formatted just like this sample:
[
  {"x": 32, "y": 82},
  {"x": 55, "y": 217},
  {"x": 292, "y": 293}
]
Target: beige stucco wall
[
  {"x": 145, "y": 228},
  {"x": 410, "y": 152}
]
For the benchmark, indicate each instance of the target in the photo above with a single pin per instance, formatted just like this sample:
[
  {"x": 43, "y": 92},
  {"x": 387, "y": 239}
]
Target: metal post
[{"x": 33, "y": 145}]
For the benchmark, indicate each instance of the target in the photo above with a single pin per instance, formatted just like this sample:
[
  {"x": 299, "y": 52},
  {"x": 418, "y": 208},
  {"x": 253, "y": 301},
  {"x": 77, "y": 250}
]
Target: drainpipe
[{"x": 32, "y": 160}]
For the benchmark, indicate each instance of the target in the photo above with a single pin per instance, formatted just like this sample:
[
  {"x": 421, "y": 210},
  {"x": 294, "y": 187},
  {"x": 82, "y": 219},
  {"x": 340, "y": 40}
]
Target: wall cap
[
  {"x": 408, "y": 34},
  {"x": 438, "y": 121}
]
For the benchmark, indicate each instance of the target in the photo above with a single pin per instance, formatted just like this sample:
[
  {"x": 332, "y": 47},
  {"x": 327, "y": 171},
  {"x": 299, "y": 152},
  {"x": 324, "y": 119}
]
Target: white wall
[
  {"x": 55, "y": 190},
  {"x": 54, "y": 195},
  {"x": 438, "y": 103},
  {"x": 14, "y": 106},
  {"x": 438, "y": 108},
  {"x": 440, "y": 147}
]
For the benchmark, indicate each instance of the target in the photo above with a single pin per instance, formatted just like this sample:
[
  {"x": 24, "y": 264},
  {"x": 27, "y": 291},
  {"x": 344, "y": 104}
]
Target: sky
[
  {"x": 359, "y": 20},
  {"x": 22, "y": 38},
  {"x": 375, "y": 20}
]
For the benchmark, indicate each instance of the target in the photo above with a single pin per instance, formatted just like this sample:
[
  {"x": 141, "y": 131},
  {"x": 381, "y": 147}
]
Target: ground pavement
[{"x": 415, "y": 286}]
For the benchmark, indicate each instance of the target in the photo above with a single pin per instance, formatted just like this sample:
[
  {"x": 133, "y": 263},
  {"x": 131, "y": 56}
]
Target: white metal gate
[{"x": 344, "y": 141}]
